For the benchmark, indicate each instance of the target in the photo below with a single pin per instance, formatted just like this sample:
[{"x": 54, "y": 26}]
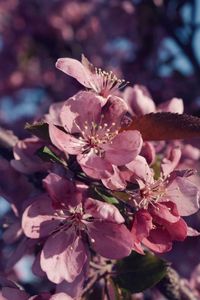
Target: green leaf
[
  {"x": 47, "y": 154},
  {"x": 121, "y": 195},
  {"x": 106, "y": 196},
  {"x": 137, "y": 273},
  {"x": 39, "y": 129}
]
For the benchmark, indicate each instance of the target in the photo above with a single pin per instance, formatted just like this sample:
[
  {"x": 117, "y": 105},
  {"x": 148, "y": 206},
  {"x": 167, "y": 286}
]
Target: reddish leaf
[
  {"x": 39, "y": 129},
  {"x": 166, "y": 126}
]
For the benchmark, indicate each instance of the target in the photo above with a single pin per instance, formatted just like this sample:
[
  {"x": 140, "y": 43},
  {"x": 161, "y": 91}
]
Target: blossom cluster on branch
[{"x": 90, "y": 194}]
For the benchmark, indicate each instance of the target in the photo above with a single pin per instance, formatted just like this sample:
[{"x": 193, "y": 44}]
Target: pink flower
[
  {"x": 160, "y": 204},
  {"x": 54, "y": 113},
  {"x": 101, "y": 82},
  {"x": 140, "y": 102},
  {"x": 93, "y": 134},
  {"x": 70, "y": 220},
  {"x": 175, "y": 105}
]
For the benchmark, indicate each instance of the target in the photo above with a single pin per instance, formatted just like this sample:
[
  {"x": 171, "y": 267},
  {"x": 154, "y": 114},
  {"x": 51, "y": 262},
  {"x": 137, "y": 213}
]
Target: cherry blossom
[
  {"x": 160, "y": 204},
  {"x": 65, "y": 218},
  {"x": 93, "y": 134},
  {"x": 101, "y": 82}
]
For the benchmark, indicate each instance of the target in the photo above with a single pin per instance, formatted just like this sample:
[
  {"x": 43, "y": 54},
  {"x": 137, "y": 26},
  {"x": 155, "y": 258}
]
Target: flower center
[
  {"x": 96, "y": 135},
  {"x": 150, "y": 194},
  {"x": 108, "y": 82},
  {"x": 70, "y": 217}
]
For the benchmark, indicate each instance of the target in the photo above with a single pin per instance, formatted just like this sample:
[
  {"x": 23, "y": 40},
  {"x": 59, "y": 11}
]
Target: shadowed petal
[
  {"x": 178, "y": 231},
  {"x": 53, "y": 117},
  {"x": 38, "y": 219},
  {"x": 95, "y": 166},
  {"x": 164, "y": 213},
  {"x": 14, "y": 294},
  {"x": 110, "y": 240},
  {"x": 64, "y": 141},
  {"x": 159, "y": 241},
  {"x": 63, "y": 257},
  {"x": 115, "y": 181},
  {"x": 142, "y": 225},
  {"x": 60, "y": 190}
]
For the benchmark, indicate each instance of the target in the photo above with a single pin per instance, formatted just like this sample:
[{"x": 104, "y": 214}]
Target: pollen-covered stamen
[
  {"x": 70, "y": 217},
  {"x": 150, "y": 194},
  {"x": 95, "y": 135},
  {"x": 108, "y": 82}
]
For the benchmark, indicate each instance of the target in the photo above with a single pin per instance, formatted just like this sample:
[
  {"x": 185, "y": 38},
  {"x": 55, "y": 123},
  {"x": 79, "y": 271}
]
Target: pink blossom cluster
[{"x": 67, "y": 217}]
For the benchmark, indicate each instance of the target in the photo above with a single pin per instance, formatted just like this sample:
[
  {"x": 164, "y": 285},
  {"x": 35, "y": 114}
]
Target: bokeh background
[{"x": 151, "y": 42}]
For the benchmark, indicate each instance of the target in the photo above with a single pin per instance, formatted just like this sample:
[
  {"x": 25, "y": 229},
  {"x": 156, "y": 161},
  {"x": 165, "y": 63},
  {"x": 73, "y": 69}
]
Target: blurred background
[{"x": 151, "y": 42}]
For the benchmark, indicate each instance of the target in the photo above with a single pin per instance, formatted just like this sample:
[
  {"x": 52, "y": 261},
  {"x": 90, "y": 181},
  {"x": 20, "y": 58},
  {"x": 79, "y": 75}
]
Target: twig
[
  {"x": 93, "y": 280},
  {"x": 173, "y": 289},
  {"x": 186, "y": 47},
  {"x": 7, "y": 138}
]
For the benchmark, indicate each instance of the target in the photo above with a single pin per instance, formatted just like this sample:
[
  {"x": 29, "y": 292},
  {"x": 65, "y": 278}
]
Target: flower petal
[
  {"x": 115, "y": 181},
  {"x": 63, "y": 256},
  {"x": 61, "y": 296},
  {"x": 80, "y": 112},
  {"x": 139, "y": 100},
  {"x": 169, "y": 163},
  {"x": 74, "y": 68},
  {"x": 178, "y": 231},
  {"x": 149, "y": 152},
  {"x": 159, "y": 241},
  {"x": 139, "y": 170},
  {"x": 142, "y": 225},
  {"x": 124, "y": 148},
  {"x": 74, "y": 288},
  {"x": 12, "y": 293},
  {"x": 164, "y": 213},
  {"x": 102, "y": 210},
  {"x": 53, "y": 117},
  {"x": 192, "y": 232},
  {"x": 175, "y": 105},
  {"x": 36, "y": 268},
  {"x": 185, "y": 195},
  {"x": 60, "y": 190},
  {"x": 95, "y": 166},
  {"x": 110, "y": 240},
  {"x": 64, "y": 141},
  {"x": 113, "y": 111},
  {"x": 38, "y": 219}
]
